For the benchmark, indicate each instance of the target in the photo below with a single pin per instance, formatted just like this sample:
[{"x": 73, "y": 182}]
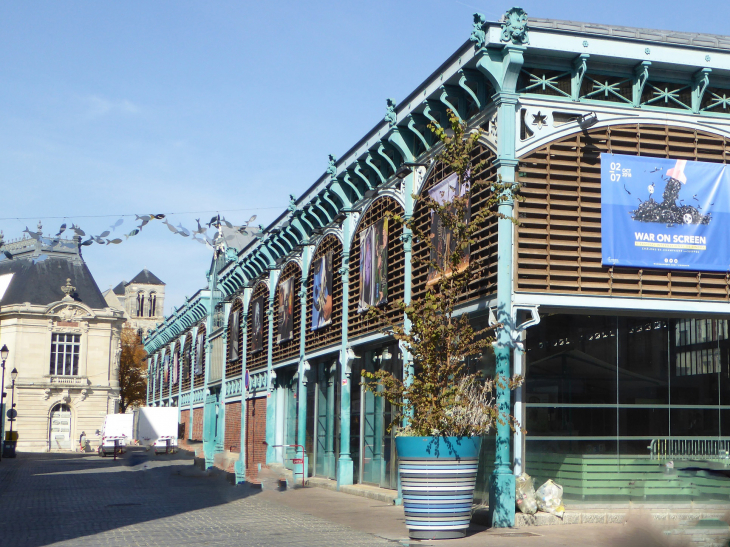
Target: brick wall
[
  {"x": 255, "y": 436},
  {"x": 184, "y": 427},
  {"x": 198, "y": 424},
  {"x": 233, "y": 427}
]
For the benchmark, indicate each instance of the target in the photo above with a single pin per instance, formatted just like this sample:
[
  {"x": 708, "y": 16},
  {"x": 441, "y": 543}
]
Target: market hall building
[{"x": 625, "y": 353}]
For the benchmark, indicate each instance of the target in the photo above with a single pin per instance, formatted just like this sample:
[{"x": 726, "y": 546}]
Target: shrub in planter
[{"x": 442, "y": 409}]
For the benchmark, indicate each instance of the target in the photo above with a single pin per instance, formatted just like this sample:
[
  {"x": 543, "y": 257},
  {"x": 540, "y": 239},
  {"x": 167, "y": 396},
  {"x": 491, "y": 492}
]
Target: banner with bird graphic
[{"x": 664, "y": 213}]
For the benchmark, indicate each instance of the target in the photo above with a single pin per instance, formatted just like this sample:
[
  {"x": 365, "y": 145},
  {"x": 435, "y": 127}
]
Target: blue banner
[{"x": 665, "y": 213}]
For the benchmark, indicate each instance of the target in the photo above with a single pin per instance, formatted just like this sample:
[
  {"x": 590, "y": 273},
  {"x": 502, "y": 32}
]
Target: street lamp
[
  {"x": 4, "y": 352},
  {"x": 14, "y": 376}
]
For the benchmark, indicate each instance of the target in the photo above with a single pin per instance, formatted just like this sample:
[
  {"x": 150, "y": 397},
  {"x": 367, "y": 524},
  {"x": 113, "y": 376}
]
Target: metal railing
[{"x": 679, "y": 448}]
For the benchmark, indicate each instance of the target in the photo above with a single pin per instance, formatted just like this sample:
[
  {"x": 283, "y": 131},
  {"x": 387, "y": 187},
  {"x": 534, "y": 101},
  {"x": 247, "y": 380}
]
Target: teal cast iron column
[
  {"x": 271, "y": 409},
  {"x": 345, "y": 466},
  {"x": 221, "y": 433},
  {"x": 501, "y": 64},
  {"x": 240, "y": 465},
  {"x": 502, "y": 481},
  {"x": 303, "y": 365},
  {"x": 193, "y": 343},
  {"x": 209, "y": 420}
]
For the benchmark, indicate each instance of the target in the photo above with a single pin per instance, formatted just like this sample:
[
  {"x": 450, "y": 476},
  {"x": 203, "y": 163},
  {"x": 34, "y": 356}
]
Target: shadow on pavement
[{"x": 45, "y": 498}]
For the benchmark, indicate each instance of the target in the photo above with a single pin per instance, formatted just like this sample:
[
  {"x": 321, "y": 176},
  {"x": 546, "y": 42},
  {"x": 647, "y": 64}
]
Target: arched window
[
  {"x": 153, "y": 304},
  {"x": 140, "y": 304}
]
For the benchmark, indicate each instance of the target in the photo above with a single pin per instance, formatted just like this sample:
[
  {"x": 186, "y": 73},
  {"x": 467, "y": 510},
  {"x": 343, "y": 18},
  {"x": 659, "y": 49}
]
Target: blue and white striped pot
[{"x": 438, "y": 475}]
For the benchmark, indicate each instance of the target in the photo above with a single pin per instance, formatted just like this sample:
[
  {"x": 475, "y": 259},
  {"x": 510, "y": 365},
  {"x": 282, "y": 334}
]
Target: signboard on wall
[{"x": 665, "y": 213}]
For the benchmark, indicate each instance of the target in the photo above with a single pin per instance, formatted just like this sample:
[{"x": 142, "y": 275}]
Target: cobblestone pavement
[{"x": 84, "y": 500}]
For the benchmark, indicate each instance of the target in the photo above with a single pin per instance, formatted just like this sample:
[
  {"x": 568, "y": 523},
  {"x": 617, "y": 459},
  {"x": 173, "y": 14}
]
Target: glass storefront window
[{"x": 628, "y": 394}]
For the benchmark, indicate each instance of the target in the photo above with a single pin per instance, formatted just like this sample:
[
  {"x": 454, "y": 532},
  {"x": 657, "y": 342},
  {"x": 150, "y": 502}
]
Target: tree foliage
[
  {"x": 132, "y": 373},
  {"x": 442, "y": 397}
]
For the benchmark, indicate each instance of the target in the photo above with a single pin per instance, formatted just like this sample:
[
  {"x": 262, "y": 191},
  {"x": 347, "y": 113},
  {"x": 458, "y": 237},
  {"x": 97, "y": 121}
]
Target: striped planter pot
[{"x": 437, "y": 479}]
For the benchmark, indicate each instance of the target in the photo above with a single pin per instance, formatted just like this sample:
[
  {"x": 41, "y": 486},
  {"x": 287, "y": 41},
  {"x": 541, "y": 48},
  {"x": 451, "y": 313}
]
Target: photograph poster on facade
[
  {"x": 374, "y": 265},
  {"x": 235, "y": 334},
  {"x": 286, "y": 311},
  {"x": 166, "y": 369},
  {"x": 665, "y": 213},
  {"x": 441, "y": 237},
  {"x": 322, "y": 292},
  {"x": 257, "y": 340},
  {"x": 175, "y": 365},
  {"x": 199, "y": 353}
]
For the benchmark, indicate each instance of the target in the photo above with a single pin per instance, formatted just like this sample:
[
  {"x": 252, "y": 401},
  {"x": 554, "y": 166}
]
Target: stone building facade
[
  {"x": 142, "y": 299},
  {"x": 64, "y": 341}
]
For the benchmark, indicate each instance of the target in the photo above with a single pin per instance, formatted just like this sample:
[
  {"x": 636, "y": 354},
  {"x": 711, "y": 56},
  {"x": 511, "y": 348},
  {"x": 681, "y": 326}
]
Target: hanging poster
[
  {"x": 166, "y": 369},
  {"x": 441, "y": 238},
  {"x": 322, "y": 287},
  {"x": 664, "y": 213},
  {"x": 186, "y": 364},
  {"x": 199, "y": 354},
  {"x": 175, "y": 366},
  {"x": 374, "y": 265},
  {"x": 257, "y": 340},
  {"x": 235, "y": 334},
  {"x": 286, "y": 311}
]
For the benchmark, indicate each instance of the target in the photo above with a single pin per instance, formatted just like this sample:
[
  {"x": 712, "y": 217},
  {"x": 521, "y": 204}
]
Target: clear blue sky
[{"x": 147, "y": 107}]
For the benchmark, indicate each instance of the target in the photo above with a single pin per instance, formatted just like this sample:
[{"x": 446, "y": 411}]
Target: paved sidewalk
[
  {"x": 84, "y": 500},
  {"x": 387, "y": 521},
  {"x": 142, "y": 500}
]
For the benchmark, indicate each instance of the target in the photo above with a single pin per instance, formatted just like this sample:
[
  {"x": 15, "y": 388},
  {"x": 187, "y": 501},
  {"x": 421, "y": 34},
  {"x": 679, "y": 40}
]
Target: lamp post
[
  {"x": 4, "y": 352},
  {"x": 13, "y": 376}
]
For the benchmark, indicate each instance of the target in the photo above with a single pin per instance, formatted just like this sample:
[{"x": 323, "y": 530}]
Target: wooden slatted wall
[
  {"x": 289, "y": 349},
  {"x": 331, "y": 334},
  {"x": 360, "y": 323},
  {"x": 186, "y": 361},
  {"x": 558, "y": 243},
  {"x": 260, "y": 358},
  {"x": 484, "y": 252},
  {"x": 234, "y": 367}
]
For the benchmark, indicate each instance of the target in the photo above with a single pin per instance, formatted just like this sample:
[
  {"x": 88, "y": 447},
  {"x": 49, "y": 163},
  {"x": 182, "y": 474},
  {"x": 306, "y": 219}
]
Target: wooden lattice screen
[
  {"x": 234, "y": 367},
  {"x": 331, "y": 334},
  {"x": 558, "y": 243},
  {"x": 289, "y": 349},
  {"x": 483, "y": 253},
  {"x": 186, "y": 361},
  {"x": 200, "y": 378},
  {"x": 258, "y": 359},
  {"x": 361, "y": 323}
]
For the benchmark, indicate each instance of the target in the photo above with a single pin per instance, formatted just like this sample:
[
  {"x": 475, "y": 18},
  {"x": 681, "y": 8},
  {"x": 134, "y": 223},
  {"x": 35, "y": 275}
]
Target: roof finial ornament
[
  {"x": 514, "y": 27},
  {"x": 40, "y": 228},
  {"x": 68, "y": 289},
  {"x": 292, "y": 203},
  {"x": 390, "y": 115},
  {"x": 478, "y": 34},
  {"x": 332, "y": 168}
]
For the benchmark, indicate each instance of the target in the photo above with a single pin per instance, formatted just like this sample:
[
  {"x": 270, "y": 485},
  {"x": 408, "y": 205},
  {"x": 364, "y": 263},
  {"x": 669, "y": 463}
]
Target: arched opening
[
  {"x": 152, "y": 307},
  {"x": 140, "y": 304},
  {"x": 59, "y": 431}
]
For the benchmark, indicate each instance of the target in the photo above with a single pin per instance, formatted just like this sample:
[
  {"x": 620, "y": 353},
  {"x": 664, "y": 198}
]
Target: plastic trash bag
[
  {"x": 525, "y": 494},
  {"x": 550, "y": 498}
]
